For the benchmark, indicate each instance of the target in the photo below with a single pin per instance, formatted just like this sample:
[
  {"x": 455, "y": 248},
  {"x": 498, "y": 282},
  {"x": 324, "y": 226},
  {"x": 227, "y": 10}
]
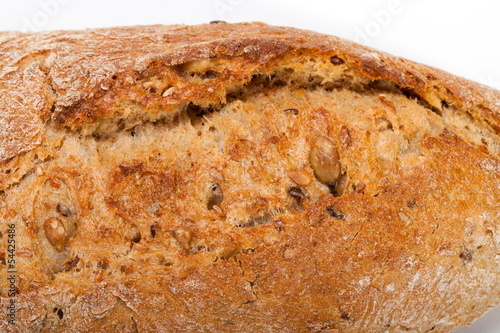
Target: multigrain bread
[{"x": 242, "y": 178}]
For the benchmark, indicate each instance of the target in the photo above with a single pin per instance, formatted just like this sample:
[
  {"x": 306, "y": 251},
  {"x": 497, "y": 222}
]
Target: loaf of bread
[{"x": 241, "y": 178}]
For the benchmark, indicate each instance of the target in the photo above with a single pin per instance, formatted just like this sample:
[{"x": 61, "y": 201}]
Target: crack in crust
[{"x": 84, "y": 90}]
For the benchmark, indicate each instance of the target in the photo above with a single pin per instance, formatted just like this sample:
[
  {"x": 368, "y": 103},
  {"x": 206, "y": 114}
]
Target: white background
[{"x": 462, "y": 37}]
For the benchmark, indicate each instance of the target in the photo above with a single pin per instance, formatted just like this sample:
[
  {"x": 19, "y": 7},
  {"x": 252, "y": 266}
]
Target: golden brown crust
[{"x": 170, "y": 156}]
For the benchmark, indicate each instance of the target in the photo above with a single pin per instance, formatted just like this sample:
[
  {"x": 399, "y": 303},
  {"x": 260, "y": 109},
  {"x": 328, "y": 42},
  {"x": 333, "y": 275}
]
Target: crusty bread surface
[{"x": 242, "y": 178}]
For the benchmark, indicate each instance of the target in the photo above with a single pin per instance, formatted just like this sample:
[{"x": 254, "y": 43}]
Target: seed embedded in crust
[
  {"x": 24, "y": 252},
  {"x": 153, "y": 229},
  {"x": 168, "y": 92},
  {"x": 39, "y": 171},
  {"x": 336, "y": 60},
  {"x": 466, "y": 256},
  {"x": 70, "y": 264},
  {"x": 216, "y": 174},
  {"x": 63, "y": 209},
  {"x": 215, "y": 196},
  {"x": 292, "y": 111},
  {"x": 183, "y": 237},
  {"x": 56, "y": 233},
  {"x": 296, "y": 192},
  {"x": 55, "y": 183},
  {"x": 324, "y": 160},
  {"x": 345, "y": 136},
  {"x": 135, "y": 234},
  {"x": 302, "y": 177},
  {"x": 279, "y": 225}
]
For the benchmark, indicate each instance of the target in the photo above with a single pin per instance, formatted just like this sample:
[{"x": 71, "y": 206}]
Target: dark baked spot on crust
[
  {"x": 130, "y": 168},
  {"x": 153, "y": 229},
  {"x": 64, "y": 209},
  {"x": 334, "y": 213},
  {"x": 358, "y": 188},
  {"x": 466, "y": 256},
  {"x": 70, "y": 264},
  {"x": 103, "y": 264},
  {"x": 261, "y": 219}
]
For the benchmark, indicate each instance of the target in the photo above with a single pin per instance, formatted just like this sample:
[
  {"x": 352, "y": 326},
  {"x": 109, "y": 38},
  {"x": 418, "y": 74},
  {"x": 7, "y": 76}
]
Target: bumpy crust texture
[{"x": 175, "y": 161}]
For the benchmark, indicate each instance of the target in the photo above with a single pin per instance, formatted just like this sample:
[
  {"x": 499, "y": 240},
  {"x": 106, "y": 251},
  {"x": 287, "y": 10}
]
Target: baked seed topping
[
  {"x": 324, "y": 160},
  {"x": 135, "y": 234},
  {"x": 183, "y": 237},
  {"x": 336, "y": 60},
  {"x": 56, "y": 233},
  {"x": 297, "y": 192},
  {"x": 302, "y": 177},
  {"x": 292, "y": 111},
  {"x": 215, "y": 196}
]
